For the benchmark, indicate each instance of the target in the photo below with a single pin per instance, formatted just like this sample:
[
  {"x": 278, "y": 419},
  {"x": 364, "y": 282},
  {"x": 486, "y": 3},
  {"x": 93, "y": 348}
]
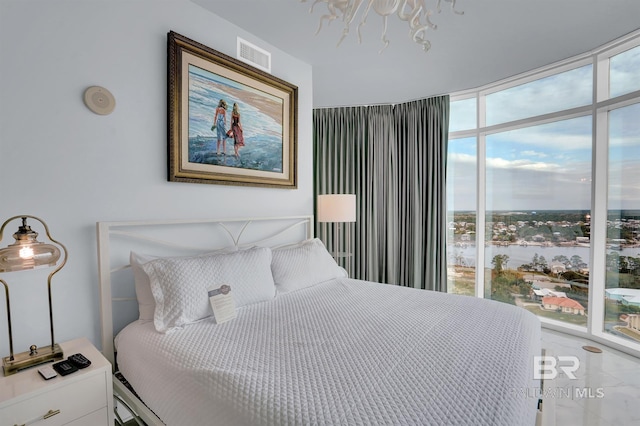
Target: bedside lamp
[
  {"x": 24, "y": 254},
  {"x": 336, "y": 208}
]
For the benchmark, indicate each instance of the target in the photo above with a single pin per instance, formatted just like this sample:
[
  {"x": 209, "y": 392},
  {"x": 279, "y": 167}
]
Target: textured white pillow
[
  {"x": 146, "y": 303},
  {"x": 304, "y": 265},
  {"x": 180, "y": 285}
]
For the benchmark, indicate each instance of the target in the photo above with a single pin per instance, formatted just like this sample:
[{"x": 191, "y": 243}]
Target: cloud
[
  {"x": 460, "y": 158},
  {"x": 548, "y": 166},
  {"x": 534, "y": 154},
  {"x": 625, "y": 72},
  {"x": 522, "y": 164},
  {"x": 551, "y": 138},
  {"x": 624, "y": 128},
  {"x": 557, "y": 92},
  {"x": 516, "y": 189}
]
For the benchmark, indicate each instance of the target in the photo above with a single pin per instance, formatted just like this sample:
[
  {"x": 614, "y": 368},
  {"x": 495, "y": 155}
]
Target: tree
[
  {"x": 543, "y": 263},
  {"x": 501, "y": 289},
  {"x": 499, "y": 262},
  {"x": 576, "y": 261},
  {"x": 560, "y": 258}
]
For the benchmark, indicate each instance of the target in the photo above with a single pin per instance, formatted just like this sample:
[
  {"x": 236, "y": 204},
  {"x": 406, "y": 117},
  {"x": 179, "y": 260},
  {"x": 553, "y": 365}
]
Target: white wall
[{"x": 72, "y": 168}]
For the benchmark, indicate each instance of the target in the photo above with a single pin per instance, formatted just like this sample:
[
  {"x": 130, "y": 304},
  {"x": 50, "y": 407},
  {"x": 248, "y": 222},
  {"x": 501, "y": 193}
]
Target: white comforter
[{"x": 343, "y": 352}]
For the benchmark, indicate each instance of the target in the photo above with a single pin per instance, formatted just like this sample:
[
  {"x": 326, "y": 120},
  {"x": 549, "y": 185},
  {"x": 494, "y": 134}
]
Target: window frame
[{"x": 599, "y": 110}]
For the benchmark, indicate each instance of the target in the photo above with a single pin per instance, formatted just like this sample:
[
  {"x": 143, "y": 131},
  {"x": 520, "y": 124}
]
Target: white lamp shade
[{"x": 337, "y": 208}]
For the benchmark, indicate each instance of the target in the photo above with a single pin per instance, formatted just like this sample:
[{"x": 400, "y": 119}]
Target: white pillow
[
  {"x": 180, "y": 285},
  {"x": 146, "y": 303},
  {"x": 304, "y": 265}
]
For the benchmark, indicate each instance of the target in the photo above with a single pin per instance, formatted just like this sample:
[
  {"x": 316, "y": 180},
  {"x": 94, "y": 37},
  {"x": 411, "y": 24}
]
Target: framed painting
[{"x": 229, "y": 123}]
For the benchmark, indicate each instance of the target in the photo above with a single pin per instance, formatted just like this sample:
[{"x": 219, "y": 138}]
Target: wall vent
[{"x": 253, "y": 55}]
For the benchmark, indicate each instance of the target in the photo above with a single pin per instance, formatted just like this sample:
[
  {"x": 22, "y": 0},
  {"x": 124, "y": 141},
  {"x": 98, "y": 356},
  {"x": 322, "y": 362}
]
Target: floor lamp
[{"x": 336, "y": 209}]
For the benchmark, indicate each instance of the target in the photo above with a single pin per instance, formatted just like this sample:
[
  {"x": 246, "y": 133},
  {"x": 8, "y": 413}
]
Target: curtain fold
[{"x": 393, "y": 157}]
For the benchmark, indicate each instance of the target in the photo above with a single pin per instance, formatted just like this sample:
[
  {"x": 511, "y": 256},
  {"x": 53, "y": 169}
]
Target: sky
[{"x": 548, "y": 166}]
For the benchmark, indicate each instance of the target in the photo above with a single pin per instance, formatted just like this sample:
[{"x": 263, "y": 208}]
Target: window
[
  {"x": 461, "y": 216},
  {"x": 622, "y": 293},
  {"x": 521, "y": 188},
  {"x": 624, "y": 71},
  {"x": 557, "y": 92},
  {"x": 538, "y": 194},
  {"x": 463, "y": 115}
]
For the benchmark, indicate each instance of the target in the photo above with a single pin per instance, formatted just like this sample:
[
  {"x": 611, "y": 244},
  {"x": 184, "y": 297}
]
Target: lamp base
[{"x": 29, "y": 359}]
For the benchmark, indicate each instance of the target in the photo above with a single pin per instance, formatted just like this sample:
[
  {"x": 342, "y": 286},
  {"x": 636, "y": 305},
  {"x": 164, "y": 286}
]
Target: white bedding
[{"x": 343, "y": 352}]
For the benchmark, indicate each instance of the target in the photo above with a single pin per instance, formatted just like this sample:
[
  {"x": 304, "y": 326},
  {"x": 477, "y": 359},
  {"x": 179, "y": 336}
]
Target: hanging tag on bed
[{"x": 221, "y": 299}]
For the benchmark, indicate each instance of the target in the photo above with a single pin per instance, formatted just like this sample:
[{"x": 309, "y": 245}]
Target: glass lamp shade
[{"x": 27, "y": 252}]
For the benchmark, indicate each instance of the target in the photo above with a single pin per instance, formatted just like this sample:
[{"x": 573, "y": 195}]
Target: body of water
[{"x": 520, "y": 255}]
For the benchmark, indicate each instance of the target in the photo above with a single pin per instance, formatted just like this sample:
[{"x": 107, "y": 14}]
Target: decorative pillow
[
  {"x": 304, "y": 265},
  {"x": 180, "y": 285}
]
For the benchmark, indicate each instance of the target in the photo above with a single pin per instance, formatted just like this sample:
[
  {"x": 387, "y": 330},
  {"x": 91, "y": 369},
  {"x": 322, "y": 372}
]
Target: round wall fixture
[
  {"x": 99, "y": 100},
  {"x": 592, "y": 349}
]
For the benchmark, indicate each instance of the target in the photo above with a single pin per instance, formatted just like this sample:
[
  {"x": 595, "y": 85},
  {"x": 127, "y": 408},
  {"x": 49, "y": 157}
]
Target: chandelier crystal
[{"x": 414, "y": 12}]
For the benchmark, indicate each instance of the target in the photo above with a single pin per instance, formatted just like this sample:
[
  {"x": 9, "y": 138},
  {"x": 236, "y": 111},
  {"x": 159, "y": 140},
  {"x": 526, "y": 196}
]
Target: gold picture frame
[{"x": 255, "y": 141}]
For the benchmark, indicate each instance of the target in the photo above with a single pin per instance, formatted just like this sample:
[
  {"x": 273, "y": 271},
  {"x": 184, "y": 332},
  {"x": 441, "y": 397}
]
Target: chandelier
[{"x": 414, "y": 12}]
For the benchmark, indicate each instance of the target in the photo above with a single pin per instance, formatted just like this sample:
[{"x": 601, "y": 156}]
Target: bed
[{"x": 320, "y": 348}]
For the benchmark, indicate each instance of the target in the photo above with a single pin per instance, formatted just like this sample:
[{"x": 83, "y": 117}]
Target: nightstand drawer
[
  {"x": 94, "y": 419},
  {"x": 74, "y": 400}
]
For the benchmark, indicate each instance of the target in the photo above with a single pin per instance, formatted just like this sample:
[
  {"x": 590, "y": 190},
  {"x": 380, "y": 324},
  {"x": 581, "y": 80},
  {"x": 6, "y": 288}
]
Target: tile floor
[{"x": 611, "y": 380}]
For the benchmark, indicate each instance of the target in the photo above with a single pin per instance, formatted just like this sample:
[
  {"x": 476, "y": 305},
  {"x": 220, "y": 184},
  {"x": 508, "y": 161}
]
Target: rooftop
[
  {"x": 633, "y": 292},
  {"x": 563, "y": 302}
]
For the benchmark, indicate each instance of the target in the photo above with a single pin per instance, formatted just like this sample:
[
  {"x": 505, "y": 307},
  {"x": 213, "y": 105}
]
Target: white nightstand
[{"x": 83, "y": 398}]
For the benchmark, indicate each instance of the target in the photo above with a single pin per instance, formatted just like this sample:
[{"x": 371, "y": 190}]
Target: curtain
[{"x": 393, "y": 157}]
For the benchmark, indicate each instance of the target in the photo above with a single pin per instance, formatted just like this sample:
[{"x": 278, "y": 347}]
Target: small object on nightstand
[
  {"x": 64, "y": 367},
  {"x": 47, "y": 372},
  {"x": 79, "y": 360}
]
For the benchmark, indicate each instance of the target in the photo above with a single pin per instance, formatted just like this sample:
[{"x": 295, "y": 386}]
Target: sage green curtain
[{"x": 393, "y": 157}]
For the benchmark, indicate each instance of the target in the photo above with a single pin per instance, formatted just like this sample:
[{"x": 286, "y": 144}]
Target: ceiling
[{"x": 492, "y": 40}]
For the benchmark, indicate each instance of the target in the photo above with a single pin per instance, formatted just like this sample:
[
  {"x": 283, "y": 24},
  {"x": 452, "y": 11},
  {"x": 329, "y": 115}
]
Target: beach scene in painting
[{"x": 258, "y": 142}]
